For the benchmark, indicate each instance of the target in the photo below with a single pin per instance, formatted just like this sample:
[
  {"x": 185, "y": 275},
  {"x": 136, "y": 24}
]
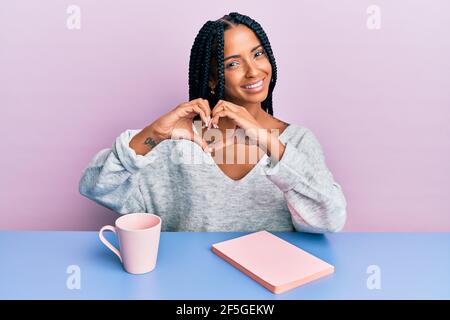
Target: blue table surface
[{"x": 34, "y": 265}]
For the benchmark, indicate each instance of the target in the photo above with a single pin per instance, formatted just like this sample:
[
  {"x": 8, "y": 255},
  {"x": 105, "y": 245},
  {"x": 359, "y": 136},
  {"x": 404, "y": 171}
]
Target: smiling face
[{"x": 245, "y": 62}]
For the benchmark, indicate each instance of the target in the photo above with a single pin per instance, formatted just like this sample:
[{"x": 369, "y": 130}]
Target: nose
[{"x": 252, "y": 70}]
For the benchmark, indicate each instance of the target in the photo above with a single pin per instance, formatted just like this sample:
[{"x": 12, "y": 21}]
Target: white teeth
[{"x": 254, "y": 85}]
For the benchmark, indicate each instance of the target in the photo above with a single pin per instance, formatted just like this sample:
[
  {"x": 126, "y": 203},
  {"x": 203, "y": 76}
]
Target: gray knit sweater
[{"x": 182, "y": 184}]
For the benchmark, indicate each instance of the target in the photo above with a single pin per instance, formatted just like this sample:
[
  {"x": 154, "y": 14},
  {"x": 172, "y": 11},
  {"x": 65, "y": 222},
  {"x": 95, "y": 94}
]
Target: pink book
[{"x": 273, "y": 262}]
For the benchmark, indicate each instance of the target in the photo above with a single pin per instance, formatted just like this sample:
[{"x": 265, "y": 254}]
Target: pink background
[{"x": 378, "y": 100}]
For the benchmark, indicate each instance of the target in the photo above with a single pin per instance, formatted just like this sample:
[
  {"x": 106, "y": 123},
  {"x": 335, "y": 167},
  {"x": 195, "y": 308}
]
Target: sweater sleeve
[
  {"x": 316, "y": 202},
  {"x": 112, "y": 177}
]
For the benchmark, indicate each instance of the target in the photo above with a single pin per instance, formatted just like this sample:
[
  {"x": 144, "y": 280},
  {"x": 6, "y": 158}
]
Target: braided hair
[{"x": 206, "y": 60}]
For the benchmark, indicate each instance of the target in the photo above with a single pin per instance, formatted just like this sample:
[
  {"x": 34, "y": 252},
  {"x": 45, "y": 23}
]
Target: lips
[{"x": 253, "y": 83}]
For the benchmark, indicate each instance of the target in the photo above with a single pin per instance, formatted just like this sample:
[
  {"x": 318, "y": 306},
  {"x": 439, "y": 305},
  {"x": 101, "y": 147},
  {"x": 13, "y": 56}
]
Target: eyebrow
[{"x": 238, "y": 56}]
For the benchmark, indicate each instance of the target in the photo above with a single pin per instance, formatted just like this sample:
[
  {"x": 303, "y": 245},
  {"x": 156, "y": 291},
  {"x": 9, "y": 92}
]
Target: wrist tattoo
[{"x": 150, "y": 142}]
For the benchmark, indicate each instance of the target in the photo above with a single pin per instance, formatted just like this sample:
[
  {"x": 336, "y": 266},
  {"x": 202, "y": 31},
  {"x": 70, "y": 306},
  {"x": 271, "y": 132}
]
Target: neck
[{"x": 254, "y": 109}]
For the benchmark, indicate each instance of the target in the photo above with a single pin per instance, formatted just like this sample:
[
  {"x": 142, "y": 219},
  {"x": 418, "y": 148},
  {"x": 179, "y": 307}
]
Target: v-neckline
[{"x": 251, "y": 172}]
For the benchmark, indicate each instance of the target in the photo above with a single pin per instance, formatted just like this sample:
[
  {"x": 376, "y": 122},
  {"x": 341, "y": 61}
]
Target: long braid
[
  {"x": 220, "y": 63},
  {"x": 207, "y": 55},
  {"x": 196, "y": 60},
  {"x": 207, "y": 61}
]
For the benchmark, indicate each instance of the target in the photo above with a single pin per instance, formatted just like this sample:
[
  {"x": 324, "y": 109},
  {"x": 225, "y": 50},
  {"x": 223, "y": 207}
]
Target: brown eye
[{"x": 261, "y": 51}]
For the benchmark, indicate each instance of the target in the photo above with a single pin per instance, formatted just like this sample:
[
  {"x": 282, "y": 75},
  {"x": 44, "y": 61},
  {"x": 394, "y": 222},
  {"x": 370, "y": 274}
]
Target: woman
[{"x": 232, "y": 74}]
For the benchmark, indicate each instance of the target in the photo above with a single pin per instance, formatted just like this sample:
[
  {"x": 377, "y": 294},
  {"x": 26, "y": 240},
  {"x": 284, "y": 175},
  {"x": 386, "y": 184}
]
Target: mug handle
[{"x": 106, "y": 242}]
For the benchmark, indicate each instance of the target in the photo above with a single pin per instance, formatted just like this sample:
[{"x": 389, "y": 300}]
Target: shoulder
[
  {"x": 302, "y": 137},
  {"x": 274, "y": 123},
  {"x": 291, "y": 129},
  {"x": 291, "y": 132}
]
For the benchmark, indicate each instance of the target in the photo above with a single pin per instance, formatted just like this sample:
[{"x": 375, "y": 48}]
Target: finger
[
  {"x": 217, "y": 107},
  {"x": 204, "y": 104},
  {"x": 231, "y": 106},
  {"x": 189, "y": 108},
  {"x": 198, "y": 110},
  {"x": 184, "y": 110},
  {"x": 221, "y": 114},
  {"x": 220, "y": 106},
  {"x": 224, "y": 105}
]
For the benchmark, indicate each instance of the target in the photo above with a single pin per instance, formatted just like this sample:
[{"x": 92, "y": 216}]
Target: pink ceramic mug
[{"x": 138, "y": 235}]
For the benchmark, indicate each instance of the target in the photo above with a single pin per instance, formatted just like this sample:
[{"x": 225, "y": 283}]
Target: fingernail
[{"x": 215, "y": 126}]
